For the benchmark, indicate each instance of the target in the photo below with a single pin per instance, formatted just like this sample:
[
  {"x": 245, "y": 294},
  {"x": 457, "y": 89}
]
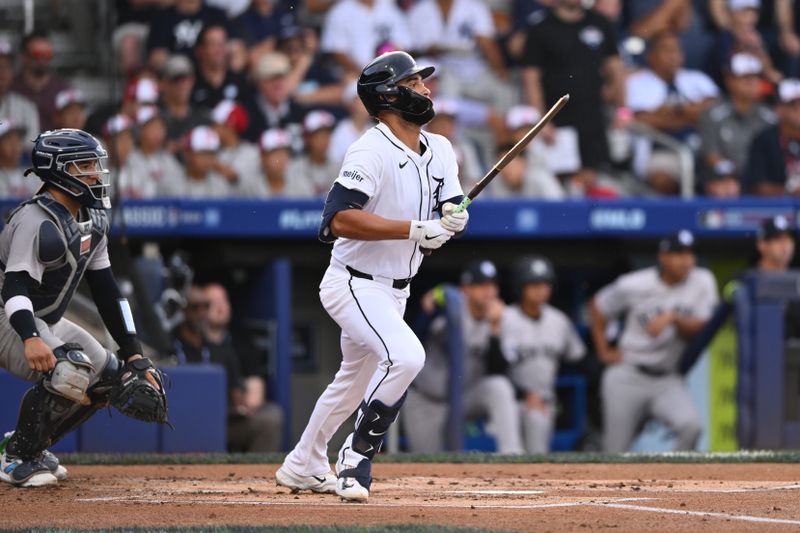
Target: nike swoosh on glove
[
  {"x": 429, "y": 234},
  {"x": 455, "y": 222}
]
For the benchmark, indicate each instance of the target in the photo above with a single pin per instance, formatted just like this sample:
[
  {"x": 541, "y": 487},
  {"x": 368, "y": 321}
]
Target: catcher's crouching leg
[{"x": 46, "y": 416}]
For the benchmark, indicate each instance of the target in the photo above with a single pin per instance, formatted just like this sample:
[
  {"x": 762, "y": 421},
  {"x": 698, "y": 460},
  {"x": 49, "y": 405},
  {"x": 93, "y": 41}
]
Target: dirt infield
[{"x": 525, "y": 497}]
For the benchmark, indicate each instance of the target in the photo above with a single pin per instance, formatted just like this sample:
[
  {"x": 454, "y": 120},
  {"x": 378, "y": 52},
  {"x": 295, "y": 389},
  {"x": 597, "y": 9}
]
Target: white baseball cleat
[
  {"x": 348, "y": 488},
  {"x": 324, "y": 483},
  {"x": 25, "y": 473}
]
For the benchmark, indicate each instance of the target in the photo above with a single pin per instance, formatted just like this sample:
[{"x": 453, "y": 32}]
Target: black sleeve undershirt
[
  {"x": 19, "y": 284},
  {"x": 106, "y": 295}
]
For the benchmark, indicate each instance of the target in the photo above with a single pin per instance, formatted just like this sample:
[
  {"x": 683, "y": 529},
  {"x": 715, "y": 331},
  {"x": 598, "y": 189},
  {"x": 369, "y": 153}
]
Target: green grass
[{"x": 757, "y": 456}]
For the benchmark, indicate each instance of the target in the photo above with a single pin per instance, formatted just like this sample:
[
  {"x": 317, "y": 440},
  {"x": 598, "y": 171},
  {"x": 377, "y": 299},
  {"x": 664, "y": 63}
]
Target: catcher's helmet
[
  {"x": 533, "y": 269},
  {"x": 58, "y": 156},
  {"x": 378, "y": 89}
]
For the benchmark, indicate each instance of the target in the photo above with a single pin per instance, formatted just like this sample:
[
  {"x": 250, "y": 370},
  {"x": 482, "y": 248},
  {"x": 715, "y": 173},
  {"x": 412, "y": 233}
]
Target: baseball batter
[
  {"x": 385, "y": 204},
  {"x": 665, "y": 306},
  {"x": 487, "y": 389},
  {"x": 49, "y": 243},
  {"x": 536, "y": 336}
]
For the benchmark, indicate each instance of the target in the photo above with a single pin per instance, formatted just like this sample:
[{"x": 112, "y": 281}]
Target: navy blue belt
[
  {"x": 396, "y": 283},
  {"x": 652, "y": 372}
]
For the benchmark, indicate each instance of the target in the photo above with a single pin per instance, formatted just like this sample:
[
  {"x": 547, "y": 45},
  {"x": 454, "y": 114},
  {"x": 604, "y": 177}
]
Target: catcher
[{"x": 48, "y": 244}]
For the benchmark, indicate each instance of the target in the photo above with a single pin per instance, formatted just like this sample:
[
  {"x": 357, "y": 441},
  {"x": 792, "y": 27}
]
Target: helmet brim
[{"x": 424, "y": 72}]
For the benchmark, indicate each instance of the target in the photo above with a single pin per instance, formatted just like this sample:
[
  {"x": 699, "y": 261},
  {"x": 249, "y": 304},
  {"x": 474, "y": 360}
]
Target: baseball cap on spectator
[
  {"x": 275, "y": 139},
  {"x": 663, "y": 162},
  {"x": 272, "y": 65},
  {"x": 117, "y": 124},
  {"x": 177, "y": 66},
  {"x": 68, "y": 97},
  {"x": 202, "y": 139},
  {"x": 774, "y": 227},
  {"x": 232, "y": 114},
  {"x": 744, "y": 64},
  {"x": 723, "y": 168},
  {"x": 5, "y": 48},
  {"x": 147, "y": 113},
  {"x": 317, "y": 120},
  {"x": 736, "y": 5},
  {"x": 481, "y": 271},
  {"x": 289, "y": 31},
  {"x": 8, "y": 125},
  {"x": 682, "y": 241},
  {"x": 142, "y": 90},
  {"x": 445, "y": 107},
  {"x": 789, "y": 90},
  {"x": 520, "y": 116}
]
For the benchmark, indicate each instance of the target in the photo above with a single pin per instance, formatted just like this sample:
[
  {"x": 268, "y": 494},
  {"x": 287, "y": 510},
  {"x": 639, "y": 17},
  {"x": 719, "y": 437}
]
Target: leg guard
[
  {"x": 375, "y": 421},
  {"x": 45, "y": 417}
]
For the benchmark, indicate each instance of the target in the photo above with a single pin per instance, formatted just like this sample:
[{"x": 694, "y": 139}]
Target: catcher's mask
[{"x": 65, "y": 158}]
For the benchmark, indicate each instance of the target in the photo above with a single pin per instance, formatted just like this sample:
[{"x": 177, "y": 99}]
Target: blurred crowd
[{"x": 257, "y": 98}]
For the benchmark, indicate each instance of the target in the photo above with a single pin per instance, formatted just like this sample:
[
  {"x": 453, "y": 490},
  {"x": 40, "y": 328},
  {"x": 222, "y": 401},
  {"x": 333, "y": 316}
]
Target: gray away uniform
[
  {"x": 534, "y": 348},
  {"x": 426, "y": 409},
  {"x": 87, "y": 248},
  {"x": 646, "y": 383}
]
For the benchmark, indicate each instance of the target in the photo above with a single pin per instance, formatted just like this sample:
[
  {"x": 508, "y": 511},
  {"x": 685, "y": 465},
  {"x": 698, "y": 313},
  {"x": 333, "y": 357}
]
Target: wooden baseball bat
[{"x": 511, "y": 154}]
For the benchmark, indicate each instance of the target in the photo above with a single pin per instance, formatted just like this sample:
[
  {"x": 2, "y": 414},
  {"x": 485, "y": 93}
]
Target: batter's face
[
  {"x": 777, "y": 251},
  {"x": 479, "y": 296},
  {"x": 537, "y": 293},
  {"x": 416, "y": 84},
  {"x": 676, "y": 266}
]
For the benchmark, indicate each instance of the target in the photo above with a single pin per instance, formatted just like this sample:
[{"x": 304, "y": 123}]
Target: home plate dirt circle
[{"x": 524, "y": 497}]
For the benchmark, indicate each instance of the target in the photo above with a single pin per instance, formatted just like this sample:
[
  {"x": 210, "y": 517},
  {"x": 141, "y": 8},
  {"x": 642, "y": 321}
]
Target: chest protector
[{"x": 63, "y": 274}]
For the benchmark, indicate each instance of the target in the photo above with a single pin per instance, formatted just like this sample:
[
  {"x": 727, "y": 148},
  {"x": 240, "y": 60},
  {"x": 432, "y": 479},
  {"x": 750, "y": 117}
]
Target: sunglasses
[{"x": 196, "y": 306}]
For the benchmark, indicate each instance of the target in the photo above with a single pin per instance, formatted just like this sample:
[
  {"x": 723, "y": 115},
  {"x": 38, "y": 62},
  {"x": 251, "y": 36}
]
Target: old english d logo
[{"x": 86, "y": 243}]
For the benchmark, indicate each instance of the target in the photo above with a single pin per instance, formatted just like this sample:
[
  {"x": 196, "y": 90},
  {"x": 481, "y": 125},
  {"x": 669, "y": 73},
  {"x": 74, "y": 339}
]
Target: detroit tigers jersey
[
  {"x": 400, "y": 185},
  {"x": 534, "y": 347},
  {"x": 643, "y": 295}
]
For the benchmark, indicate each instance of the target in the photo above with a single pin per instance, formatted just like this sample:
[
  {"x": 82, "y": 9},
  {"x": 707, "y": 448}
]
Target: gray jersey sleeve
[
  {"x": 100, "y": 259},
  {"x": 612, "y": 299},
  {"x": 574, "y": 348},
  {"x": 707, "y": 296},
  {"x": 22, "y": 254}
]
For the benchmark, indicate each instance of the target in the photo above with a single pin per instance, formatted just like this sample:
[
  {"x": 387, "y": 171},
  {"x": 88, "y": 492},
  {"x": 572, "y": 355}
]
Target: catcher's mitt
[{"x": 136, "y": 397}]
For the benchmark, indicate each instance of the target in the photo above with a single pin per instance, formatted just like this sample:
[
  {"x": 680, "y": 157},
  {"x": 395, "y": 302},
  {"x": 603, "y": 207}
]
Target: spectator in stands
[
  {"x": 140, "y": 90},
  {"x": 573, "y": 50},
  {"x": 668, "y": 98},
  {"x": 350, "y": 128},
  {"x": 215, "y": 81},
  {"x": 727, "y": 128},
  {"x": 35, "y": 79},
  {"x": 273, "y": 106},
  {"x": 445, "y": 123},
  {"x": 461, "y": 35},
  {"x": 238, "y": 160},
  {"x": 381, "y": 27},
  {"x": 180, "y": 114},
  {"x": 773, "y": 161},
  {"x": 200, "y": 161},
  {"x": 276, "y": 153},
  {"x": 13, "y": 105},
  {"x": 119, "y": 141},
  {"x": 536, "y": 337},
  {"x": 151, "y": 169},
  {"x": 175, "y": 29},
  {"x": 133, "y": 21},
  {"x": 313, "y": 164},
  {"x": 740, "y": 34},
  {"x": 487, "y": 391},
  {"x": 260, "y": 26},
  {"x": 70, "y": 110},
  {"x": 311, "y": 82},
  {"x": 13, "y": 183},
  {"x": 254, "y": 425}
]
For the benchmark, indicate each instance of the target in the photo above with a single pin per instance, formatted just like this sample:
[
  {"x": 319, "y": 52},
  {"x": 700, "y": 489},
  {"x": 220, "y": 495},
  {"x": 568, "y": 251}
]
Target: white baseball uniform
[{"x": 381, "y": 355}]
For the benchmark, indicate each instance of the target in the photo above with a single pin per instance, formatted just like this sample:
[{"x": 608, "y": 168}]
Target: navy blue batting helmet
[
  {"x": 61, "y": 158},
  {"x": 379, "y": 90}
]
